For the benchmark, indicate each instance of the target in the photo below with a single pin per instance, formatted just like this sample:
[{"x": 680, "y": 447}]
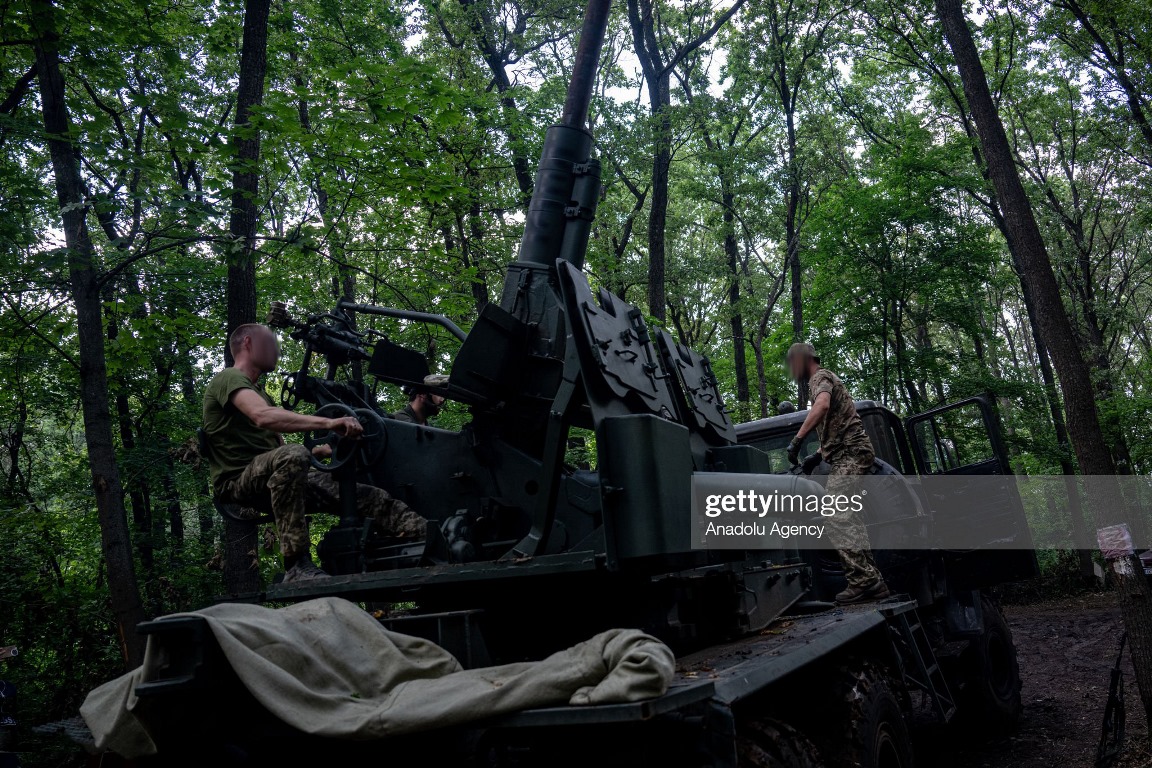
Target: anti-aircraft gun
[
  {"x": 527, "y": 554},
  {"x": 551, "y": 357}
]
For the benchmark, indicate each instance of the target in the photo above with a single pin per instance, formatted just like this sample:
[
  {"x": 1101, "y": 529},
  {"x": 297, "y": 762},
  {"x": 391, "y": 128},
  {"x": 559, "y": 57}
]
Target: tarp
[{"x": 328, "y": 668}]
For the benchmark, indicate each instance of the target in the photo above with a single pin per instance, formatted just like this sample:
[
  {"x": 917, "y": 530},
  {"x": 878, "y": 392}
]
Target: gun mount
[{"x": 551, "y": 357}]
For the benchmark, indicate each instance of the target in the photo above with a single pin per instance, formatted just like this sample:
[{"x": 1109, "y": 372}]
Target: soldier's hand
[
  {"x": 794, "y": 451},
  {"x": 346, "y": 426},
  {"x": 322, "y": 451},
  {"x": 812, "y": 462}
]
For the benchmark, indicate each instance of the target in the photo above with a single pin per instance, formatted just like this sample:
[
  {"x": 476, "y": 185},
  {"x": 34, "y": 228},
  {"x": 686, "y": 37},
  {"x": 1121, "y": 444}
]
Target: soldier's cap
[
  {"x": 431, "y": 381},
  {"x": 802, "y": 348}
]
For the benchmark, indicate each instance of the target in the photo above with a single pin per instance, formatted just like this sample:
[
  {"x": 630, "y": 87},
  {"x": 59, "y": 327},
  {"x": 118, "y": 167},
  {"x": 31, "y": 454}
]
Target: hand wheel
[{"x": 343, "y": 448}]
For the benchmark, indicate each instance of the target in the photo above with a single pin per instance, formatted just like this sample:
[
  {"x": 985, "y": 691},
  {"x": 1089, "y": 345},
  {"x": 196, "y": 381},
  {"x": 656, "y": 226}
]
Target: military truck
[{"x": 530, "y": 552}]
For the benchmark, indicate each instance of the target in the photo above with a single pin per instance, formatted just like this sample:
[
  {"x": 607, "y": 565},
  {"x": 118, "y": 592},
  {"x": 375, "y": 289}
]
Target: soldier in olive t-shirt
[
  {"x": 252, "y": 466},
  {"x": 232, "y": 435}
]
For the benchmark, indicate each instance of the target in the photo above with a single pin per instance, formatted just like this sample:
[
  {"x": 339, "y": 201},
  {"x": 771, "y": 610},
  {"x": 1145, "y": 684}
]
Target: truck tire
[
  {"x": 865, "y": 726},
  {"x": 989, "y": 701},
  {"x": 769, "y": 743}
]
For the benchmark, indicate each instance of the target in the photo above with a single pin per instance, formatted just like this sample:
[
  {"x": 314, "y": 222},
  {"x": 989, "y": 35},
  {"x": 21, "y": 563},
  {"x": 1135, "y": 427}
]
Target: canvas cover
[{"x": 328, "y": 668}]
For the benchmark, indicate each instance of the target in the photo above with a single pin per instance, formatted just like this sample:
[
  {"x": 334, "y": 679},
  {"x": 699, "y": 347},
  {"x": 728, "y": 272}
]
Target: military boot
[
  {"x": 303, "y": 570},
  {"x": 867, "y": 593}
]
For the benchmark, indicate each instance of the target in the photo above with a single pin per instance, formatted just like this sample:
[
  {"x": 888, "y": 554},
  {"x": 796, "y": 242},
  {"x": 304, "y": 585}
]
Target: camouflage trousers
[
  {"x": 846, "y": 531},
  {"x": 285, "y": 482}
]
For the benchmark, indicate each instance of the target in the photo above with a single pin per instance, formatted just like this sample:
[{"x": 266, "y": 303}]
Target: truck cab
[
  {"x": 884, "y": 428},
  {"x": 954, "y": 475}
]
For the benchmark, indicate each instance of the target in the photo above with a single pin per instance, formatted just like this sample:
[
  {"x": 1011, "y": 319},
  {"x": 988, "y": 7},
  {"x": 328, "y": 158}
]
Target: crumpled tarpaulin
[{"x": 328, "y": 668}]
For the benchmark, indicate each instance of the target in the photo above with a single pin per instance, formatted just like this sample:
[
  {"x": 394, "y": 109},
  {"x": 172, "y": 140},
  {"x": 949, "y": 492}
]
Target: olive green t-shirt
[{"x": 233, "y": 440}]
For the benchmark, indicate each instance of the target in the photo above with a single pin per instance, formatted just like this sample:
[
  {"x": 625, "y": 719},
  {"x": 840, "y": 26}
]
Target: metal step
[{"x": 918, "y": 663}]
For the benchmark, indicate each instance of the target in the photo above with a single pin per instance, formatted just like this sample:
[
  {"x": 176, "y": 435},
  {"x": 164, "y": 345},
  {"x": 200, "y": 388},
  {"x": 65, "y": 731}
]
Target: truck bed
[{"x": 732, "y": 671}]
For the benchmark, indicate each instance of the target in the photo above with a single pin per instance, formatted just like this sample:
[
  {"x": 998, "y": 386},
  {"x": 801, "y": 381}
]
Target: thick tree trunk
[
  {"x": 1093, "y": 343},
  {"x": 240, "y": 538},
  {"x": 1053, "y": 326},
  {"x": 246, "y": 169},
  {"x": 85, "y": 285},
  {"x": 471, "y": 254},
  {"x": 1077, "y": 524}
]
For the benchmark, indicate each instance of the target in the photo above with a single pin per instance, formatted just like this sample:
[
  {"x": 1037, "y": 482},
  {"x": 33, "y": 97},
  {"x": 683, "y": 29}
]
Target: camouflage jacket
[{"x": 841, "y": 430}]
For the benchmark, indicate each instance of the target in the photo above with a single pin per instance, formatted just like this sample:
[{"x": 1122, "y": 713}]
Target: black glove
[
  {"x": 812, "y": 462},
  {"x": 794, "y": 451}
]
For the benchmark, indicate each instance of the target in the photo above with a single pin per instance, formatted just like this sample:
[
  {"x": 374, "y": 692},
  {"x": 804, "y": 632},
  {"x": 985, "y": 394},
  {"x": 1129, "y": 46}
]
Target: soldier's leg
[
  {"x": 846, "y": 530},
  {"x": 278, "y": 478},
  {"x": 394, "y": 516}
]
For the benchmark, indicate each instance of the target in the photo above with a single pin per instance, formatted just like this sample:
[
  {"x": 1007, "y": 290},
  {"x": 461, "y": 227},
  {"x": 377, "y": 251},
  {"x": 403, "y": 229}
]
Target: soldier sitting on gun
[
  {"x": 252, "y": 466},
  {"x": 845, "y": 445},
  {"x": 422, "y": 406}
]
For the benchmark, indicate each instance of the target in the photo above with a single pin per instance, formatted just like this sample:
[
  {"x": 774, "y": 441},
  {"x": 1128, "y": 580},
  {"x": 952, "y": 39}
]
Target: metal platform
[
  {"x": 680, "y": 694},
  {"x": 734, "y": 670},
  {"x": 366, "y": 585},
  {"x": 743, "y": 667}
]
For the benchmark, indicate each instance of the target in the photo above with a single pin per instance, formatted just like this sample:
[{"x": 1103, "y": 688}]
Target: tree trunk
[
  {"x": 85, "y": 285},
  {"x": 660, "y": 99},
  {"x": 137, "y": 495},
  {"x": 736, "y": 316},
  {"x": 657, "y": 60},
  {"x": 1078, "y": 525},
  {"x": 240, "y": 538},
  {"x": 792, "y": 240},
  {"x": 1053, "y": 327},
  {"x": 488, "y": 38},
  {"x": 172, "y": 500},
  {"x": 246, "y": 170},
  {"x": 761, "y": 376}
]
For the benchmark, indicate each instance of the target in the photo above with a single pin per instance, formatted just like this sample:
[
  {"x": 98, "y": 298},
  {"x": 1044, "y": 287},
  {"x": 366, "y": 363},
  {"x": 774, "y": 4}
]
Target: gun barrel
[
  {"x": 559, "y": 218},
  {"x": 587, "y": 60}
]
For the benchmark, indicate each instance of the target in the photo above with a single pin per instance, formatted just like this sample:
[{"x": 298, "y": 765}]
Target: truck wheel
[
  {"x": 865, "y": 726},
  {"x": 990, "y": 687},
  {"x": 771, "y": 744}
]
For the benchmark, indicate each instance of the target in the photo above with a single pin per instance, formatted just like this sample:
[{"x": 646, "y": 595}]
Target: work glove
[
  {"x": 794, "y": 451},
  {"x": 812, "y": 462}
]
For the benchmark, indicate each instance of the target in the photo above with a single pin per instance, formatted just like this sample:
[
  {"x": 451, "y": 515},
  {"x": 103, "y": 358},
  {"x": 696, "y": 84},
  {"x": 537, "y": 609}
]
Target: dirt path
[{"x": 1066, "y": 648}]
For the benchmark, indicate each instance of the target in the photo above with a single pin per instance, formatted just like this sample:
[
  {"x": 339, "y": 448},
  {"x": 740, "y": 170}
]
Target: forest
[{"x": 773, "y": 171}]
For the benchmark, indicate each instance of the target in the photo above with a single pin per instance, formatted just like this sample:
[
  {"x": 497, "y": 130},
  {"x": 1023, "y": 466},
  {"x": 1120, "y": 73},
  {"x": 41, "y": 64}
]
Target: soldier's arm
[
  {"x": 276, "y": 419},
  {"x": 815, "y": 415}
]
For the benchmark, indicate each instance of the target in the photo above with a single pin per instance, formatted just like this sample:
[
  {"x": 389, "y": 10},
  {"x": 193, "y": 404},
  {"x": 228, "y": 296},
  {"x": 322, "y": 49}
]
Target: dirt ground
[{"x": 1066, "y": 648}]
